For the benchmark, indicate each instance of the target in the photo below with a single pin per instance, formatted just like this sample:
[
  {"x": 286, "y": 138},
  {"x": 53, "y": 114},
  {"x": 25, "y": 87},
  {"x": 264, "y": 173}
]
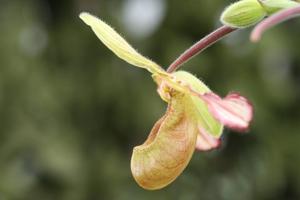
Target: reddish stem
[
  {"x": 273, "y": 20},
  {"x": 200, "y": 46}
]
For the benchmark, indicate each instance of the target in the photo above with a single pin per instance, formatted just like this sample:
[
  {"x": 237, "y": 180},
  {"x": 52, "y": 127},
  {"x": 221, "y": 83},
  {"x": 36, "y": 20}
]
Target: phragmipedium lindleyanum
[{"x": 194, "y": 118}]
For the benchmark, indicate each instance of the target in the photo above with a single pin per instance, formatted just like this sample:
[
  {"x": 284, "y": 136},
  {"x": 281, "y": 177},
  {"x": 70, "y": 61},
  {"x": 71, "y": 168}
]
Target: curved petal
[
  {"x": 118, "y": 45},
  {"x": 169, "y": 147},
  {"x": 234, "y": 111}
]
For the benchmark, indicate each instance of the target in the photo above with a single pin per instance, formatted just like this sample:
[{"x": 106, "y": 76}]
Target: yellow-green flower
[{"x": 194, "y": 118}]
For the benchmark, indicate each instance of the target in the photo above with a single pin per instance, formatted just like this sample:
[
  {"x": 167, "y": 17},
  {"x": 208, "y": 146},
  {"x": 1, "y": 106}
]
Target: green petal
[
  {"x": 118, "y": 45},
  {"x": 204, "y": 117}
]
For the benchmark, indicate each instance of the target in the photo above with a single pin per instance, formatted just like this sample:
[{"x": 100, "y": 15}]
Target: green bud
[
  {"x": 243, "y": 13},
  {"x": 272, "y": 6}
]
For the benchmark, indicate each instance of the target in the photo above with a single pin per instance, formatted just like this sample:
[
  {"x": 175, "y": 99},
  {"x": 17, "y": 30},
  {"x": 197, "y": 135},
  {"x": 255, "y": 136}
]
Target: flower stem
[
  {"x": 200, "y": 46},
  {"x": 272, "y": 21}
]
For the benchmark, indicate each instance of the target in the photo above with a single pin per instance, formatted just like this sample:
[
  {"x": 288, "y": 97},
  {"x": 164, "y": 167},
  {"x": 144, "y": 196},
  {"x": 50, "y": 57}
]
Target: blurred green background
[{"x": 71, "y": 111}]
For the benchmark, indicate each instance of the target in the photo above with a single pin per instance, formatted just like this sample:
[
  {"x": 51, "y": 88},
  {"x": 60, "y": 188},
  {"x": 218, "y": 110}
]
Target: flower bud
[{"x": 243, "y": 13}]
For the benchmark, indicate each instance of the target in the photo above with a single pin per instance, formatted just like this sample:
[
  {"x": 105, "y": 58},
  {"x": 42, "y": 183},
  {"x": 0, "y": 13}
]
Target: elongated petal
[
  {"x": 118, "y": 45},
  {"x": 206, "y": 142},
  {"x": 234, "y": 111},
  {"x": 169, "y": 147}
]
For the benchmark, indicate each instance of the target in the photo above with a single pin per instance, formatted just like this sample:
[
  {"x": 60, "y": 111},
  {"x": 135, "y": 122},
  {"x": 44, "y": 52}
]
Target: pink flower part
[
  {"x": 234, "y": 111},
  {"x": 206, "y": 141}
]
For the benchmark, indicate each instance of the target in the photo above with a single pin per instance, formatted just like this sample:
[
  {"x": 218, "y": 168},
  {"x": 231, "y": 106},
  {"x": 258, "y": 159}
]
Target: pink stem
[
  {"x": 200, "y": 46},
  {"x": 273, "y": 20}
]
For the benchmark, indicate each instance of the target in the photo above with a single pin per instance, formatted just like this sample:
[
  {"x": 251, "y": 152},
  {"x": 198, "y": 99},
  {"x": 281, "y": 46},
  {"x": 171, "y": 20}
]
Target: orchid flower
[{"x": 194, "y": 118}]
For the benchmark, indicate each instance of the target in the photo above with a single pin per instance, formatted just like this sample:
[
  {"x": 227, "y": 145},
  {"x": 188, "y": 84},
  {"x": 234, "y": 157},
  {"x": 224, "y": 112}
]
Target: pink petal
[
  {"x": 206, "y": 141},
  {"x": 234, "y": 111}
]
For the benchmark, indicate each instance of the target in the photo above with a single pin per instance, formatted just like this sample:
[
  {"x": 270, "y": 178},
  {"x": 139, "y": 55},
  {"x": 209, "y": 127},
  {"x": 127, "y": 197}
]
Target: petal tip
[
  {"x": 89, "y": 19},
  {"x": 209, "y": 148},
  {"x": 206, "y": 142},
  {"x": 85, "y": 16}
]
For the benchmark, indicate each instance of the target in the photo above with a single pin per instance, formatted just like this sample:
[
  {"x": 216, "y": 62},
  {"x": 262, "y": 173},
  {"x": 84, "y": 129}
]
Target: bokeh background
[{"x": 71, "y": 111}]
